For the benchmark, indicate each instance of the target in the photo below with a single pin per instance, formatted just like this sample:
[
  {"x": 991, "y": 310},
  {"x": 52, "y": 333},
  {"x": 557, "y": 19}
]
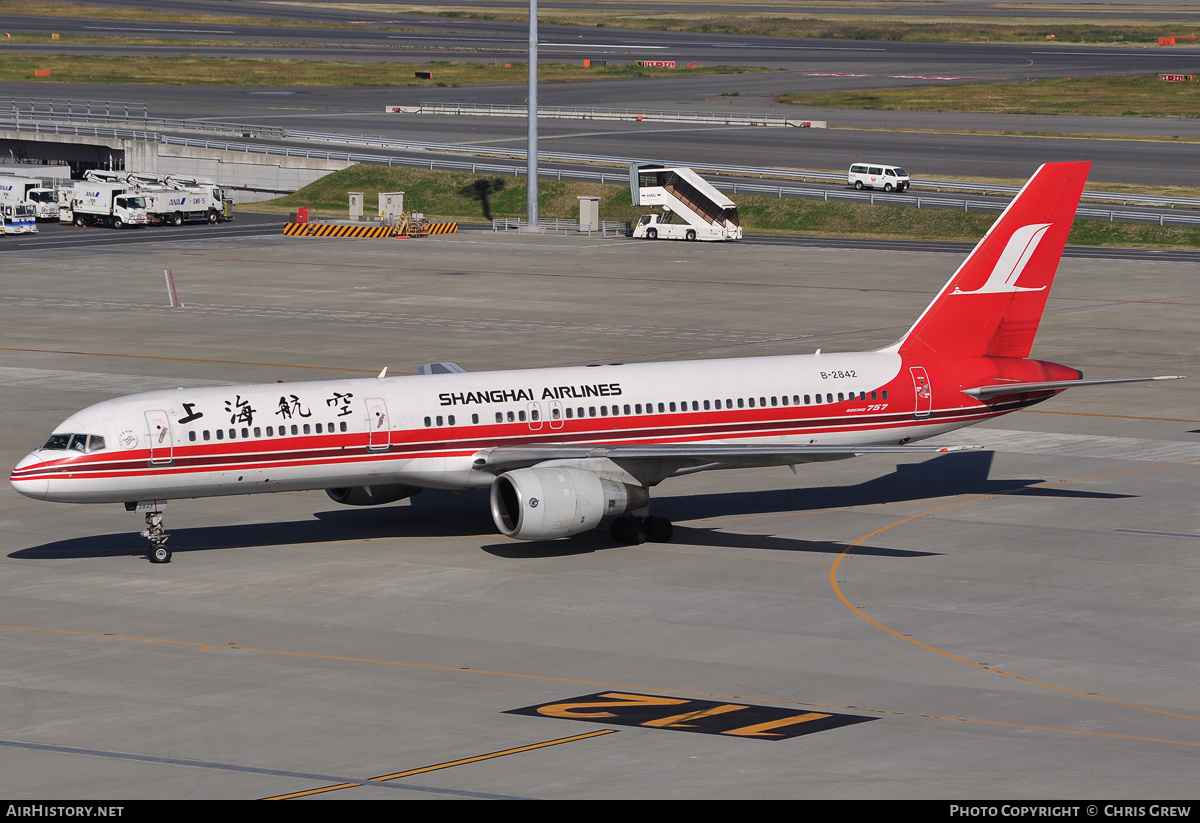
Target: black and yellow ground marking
[
  {"x": 689, "y": 715},
  {"x": 383, "y": 778},
  {"x": 335, "y": 230},
  {"x": 362, "y": 232}
]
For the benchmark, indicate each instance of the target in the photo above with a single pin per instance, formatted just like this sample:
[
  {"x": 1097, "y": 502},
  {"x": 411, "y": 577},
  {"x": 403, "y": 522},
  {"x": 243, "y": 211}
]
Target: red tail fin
[{"x": 994, "y": 302}]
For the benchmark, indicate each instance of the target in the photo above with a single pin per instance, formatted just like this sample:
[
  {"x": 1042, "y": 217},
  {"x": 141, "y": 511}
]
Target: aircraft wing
[
  {"x": 688, "y": 456},
  {"x": 1057, "y": 385}
]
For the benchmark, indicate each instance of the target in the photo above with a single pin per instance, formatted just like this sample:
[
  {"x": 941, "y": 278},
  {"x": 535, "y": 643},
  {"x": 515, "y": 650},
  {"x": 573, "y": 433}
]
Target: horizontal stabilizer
[{"x": 1057, "y": 385}]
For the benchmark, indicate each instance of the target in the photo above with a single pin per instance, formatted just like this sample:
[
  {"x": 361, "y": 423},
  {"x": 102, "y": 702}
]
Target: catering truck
[
  {"x": 174, "y": 199},
  {"x": 101, "y": 203}
]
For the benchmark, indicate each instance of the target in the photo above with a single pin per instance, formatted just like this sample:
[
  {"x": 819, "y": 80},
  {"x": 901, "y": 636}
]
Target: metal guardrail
[
  {"x": 608, "y": 228},
  {"x": 734, "y": 186},
  {"x": 596, "y": 113}
]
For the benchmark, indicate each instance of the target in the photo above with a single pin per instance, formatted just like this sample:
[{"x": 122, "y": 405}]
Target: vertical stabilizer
[{"x": 994, "y": 302}]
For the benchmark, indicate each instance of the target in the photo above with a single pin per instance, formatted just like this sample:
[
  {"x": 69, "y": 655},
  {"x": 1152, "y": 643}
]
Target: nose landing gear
[{"x": 159, "y": 552}]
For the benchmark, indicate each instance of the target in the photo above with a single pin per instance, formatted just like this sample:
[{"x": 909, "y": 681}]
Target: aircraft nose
[{"x": 30, "y": 487}]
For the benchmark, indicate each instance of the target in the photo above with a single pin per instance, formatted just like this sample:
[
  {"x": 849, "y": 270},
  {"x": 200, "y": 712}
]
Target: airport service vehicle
[
  {"x": 17, "y": 217},
  {"x": 703, "y": 212},
  {"x": 176, "y": 200},
  {"x": 17, "y": 188},
  {"x": 562, "y": 449},
  {"x": 46, "y": 202},
  {"x": 878, "y": 176},
  {"x": 101, "y": 203}
]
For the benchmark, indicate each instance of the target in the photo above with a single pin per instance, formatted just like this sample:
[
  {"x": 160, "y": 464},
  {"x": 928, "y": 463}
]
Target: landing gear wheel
[
  {"x": 160, "y": 552},
  {"x": 630, "y": 530},
  {"x": 691, "y": 234},
  {"x": 651, "y": 234},
  {"x": 659, "y": 529}
]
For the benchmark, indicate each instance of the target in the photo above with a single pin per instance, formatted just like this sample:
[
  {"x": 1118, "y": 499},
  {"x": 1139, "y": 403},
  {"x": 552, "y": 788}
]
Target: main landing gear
[{"x": 637, "y": 530}]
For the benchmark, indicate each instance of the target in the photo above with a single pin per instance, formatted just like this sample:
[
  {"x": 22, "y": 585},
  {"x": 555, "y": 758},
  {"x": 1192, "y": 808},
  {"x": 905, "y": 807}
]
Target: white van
[{"x": 878, "y": 176}]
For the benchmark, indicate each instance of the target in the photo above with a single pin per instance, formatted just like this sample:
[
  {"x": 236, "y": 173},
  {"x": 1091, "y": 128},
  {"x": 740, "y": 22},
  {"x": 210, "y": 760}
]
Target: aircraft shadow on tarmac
[{"x": 436, "y": 514}]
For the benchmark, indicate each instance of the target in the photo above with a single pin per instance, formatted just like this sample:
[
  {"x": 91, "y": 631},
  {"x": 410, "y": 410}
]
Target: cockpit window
[
  {"x": 57, "y": 442},
  {"x": 74, "y": 442}
]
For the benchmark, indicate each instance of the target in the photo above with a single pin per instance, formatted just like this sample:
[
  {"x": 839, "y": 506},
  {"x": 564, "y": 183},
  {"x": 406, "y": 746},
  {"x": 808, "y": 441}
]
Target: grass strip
[
  {"x": 475, "y": 198},
  {"x": 224, "y": 71},
  {"x": 1131, "y": 96}
]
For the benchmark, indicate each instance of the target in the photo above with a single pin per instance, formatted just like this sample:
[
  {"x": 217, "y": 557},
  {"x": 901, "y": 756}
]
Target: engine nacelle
[
  {"x": 371, "y": 495},
  {"x": 550, "y": 502}
]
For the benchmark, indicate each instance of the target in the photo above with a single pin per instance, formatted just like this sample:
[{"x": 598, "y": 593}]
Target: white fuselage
[{"x": 425, "y": 430}]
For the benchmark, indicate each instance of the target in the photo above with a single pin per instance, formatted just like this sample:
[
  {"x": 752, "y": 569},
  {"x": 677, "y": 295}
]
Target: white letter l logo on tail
[{"x": 1016, "y": 254}]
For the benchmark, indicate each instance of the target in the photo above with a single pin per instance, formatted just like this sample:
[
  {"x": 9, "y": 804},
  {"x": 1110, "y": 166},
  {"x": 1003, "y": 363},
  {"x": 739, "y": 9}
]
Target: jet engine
[
  {"x": 371, "y": 495},
  {"x": 547, "y": 503}
]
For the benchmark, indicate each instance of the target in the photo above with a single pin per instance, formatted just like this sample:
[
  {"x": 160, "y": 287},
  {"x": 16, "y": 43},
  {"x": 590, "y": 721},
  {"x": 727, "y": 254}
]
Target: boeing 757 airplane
[{"x": 564, "y": 448}]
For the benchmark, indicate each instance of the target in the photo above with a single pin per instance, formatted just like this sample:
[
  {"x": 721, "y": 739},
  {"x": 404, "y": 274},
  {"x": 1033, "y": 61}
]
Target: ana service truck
[{"x": 95, "y": 203}]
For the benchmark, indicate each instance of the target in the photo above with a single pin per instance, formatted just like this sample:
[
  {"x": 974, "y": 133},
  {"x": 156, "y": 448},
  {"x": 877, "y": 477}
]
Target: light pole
[{"x": 531, "y": 188}]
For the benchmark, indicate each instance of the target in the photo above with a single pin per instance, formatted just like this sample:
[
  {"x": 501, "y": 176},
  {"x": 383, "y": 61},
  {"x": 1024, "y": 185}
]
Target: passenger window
[
  {"x": 307, "y": 430},
  {"x": 555, "y": 414},
  {"x": 533, "y": 414},
  {"x": 570, "y": 413},
  {"x": 627, "y": 408},
  {"x": 521, "y": 416},
  {"x": 220, "y": 434},
  {"x": 439, "y": 420},
  {"x": 775, "y": 401},
  {"x": 499, "y": 417},
  {"x": 257, "y": 431},
  {"x": 807, "y": 400},
  {"x": 428, "y": 422},
  {"x": 245, "y": 433},
  {"x": 885, "y": 394},
  {"x": 751, "y": 402},
  {"x": 192, "y": 436},
  {"x": 706, "y": 405},
  {"x": 840, "y": 397},
  {"x": 205, "y": 435},
  {"x": 474, "y": 419},
  {"x": 829, "y": 398},
  {"x": 695, "y": 405},
  {"x": 661, "y": 408},
  {"x": 318, "y": 428},
  {"x": 604, "y": 411},
  {"x": 450, "y": 419},
  {"x": 672, "y": 405},
  {"x": 873, "y": 397},
  {"x": 511, "y": 417},
  {"x": 342, "y": 425},
  {"x": 295, "y": 429},
  {"x": 233, "y": 434},
  {"x": 591, "y": 411},
  {"x": 742, "y": 403}
]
